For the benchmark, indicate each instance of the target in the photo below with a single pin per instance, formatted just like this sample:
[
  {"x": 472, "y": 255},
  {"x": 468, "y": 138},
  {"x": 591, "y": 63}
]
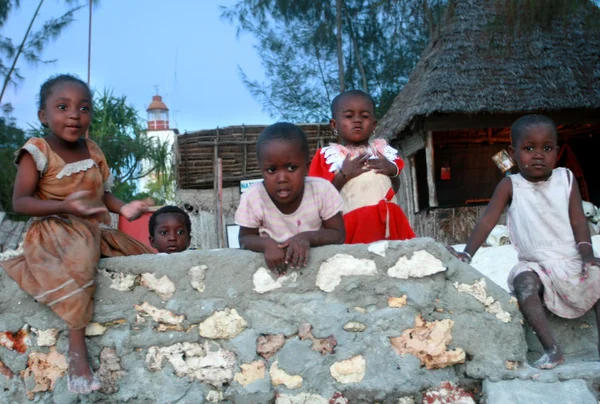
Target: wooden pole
[
  {"x": 216, "y": 179},
  {"x": 245, "y": 156},
  {"x": 89, "y": 61},
  {"x": 433, "y": 202},
  {"x": 415, "y": 185},
  {"x": 220, "y": 204}
]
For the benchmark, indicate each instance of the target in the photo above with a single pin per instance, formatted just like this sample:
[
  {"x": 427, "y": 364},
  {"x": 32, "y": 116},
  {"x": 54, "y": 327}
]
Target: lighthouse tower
[
  {"x": 158, "y": 114},
  {"x": 158, "y": 128}
]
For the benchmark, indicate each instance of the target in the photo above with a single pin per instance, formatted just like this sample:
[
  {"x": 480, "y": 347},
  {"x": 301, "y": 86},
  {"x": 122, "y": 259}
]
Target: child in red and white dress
[{"x": 365, "y": 171}]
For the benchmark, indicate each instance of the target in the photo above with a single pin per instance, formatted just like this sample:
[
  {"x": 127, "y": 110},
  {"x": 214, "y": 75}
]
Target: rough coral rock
[
  {"x": 110, "y": 370},
  {"x": 354, "y": 326},
  {"x": 279, "y": 377},
  {"x": 214, "y": 396},
  {"x": 94, "y": 329},
  {"x": 119, "y": 281},
  {"x": 379, "y": 247},
  {"x": 43, "y": 370},
  {"x": 428, "y": 342},
  {"x": 302, "y": 398},
  {"x": 350, "y": 370},
  {"x": 338, "y": 398},
  {"x": 264, "y": 282},
  {"x": 447, "y": 393},
  {"x": 478, "y": 291},
  {"x": 159, "y": 315},
  {"x": 197, "y": 275},
  {"x": 250, "y": 373},
  {"x": 397, "y": 302},
  {"x": 331, "y": 271},
  {"x": 421, "y": 264},
  {"x": 268, "y": 345},
  {"x": 46, "y": 337},
  {"x": 164, "y": 287},
  {"x": 194, "y": 360},
  {"x": 224, "y": 324},
  {"x": 322, "y": 345},
  {"x": 18, "y": 341}
]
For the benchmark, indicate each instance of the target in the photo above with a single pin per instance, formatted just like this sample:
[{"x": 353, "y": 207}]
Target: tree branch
[{"x": 19, "y": 51}]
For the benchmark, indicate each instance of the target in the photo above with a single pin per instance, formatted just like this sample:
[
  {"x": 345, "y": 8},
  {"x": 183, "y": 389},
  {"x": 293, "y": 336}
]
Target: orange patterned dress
[{"x": 61, "y": 252}]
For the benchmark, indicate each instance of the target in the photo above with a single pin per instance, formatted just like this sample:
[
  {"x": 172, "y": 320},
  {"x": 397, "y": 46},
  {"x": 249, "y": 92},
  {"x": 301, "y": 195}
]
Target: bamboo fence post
[
  {"x": 216, "y": 184},
  {"x": 245, "y": 156},
  {"x": 220, "y": 205}
]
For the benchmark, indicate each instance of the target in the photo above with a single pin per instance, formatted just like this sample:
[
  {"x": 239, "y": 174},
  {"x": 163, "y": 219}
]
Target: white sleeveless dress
[{"x": 540, "y": 230}]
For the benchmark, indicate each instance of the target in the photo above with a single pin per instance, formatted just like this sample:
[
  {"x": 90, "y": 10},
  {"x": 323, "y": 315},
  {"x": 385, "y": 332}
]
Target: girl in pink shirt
[{"x": 288, "y": 212}]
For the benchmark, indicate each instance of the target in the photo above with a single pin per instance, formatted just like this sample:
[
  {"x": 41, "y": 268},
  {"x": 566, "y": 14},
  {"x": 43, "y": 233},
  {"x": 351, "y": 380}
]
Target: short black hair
[
  {"x": 350, "y": 93},
  {"x": 519, "y": 128},
  {"x": 169, "y": 209},
  {"x": 46, "y": 88},
  {"x": 283, "y": 131}
]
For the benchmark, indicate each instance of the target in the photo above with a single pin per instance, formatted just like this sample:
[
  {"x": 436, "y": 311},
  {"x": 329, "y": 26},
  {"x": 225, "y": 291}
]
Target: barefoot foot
[
  {"x": 81, "y": 385},
  {"x": 550, "y": 359},
  {"x": 81, "y": 379}
]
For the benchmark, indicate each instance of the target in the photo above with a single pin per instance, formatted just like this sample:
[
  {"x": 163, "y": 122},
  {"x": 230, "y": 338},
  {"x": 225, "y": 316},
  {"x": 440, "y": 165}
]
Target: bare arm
[
  {"x": 130, "y": 211},
  {"x": 579, "y": 224},
  {"x": 500, "y": 199},
  {"x": 113, "y": 203},
  {"x": 396, "y": 184},
  {"x": 298, "y": 246},
  {"x": 25, "y": 202},
  {"x": 274, "y": 256}
]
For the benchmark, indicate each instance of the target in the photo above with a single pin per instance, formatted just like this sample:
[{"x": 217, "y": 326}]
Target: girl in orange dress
[
  {"x": 63, "y": 180},
  {"x": 364, "y": 170}
]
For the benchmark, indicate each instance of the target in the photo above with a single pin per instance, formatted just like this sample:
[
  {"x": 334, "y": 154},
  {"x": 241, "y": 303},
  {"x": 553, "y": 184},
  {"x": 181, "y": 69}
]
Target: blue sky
[{"x": 182, "y": 48}]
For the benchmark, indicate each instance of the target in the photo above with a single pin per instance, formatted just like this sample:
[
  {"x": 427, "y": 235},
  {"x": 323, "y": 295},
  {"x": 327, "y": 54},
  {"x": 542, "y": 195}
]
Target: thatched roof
[{"x": 463, "y": 72}]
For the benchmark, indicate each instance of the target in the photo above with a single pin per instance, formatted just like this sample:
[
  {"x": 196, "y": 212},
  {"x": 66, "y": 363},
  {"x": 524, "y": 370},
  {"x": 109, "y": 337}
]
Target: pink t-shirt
[{"x": 321, "y": 201}]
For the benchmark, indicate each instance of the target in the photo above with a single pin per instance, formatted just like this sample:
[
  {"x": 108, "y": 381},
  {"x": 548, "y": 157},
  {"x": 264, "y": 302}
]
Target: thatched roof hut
[
  {"x": 473, "y": 80},
  {"x": 472, "y": 73}
]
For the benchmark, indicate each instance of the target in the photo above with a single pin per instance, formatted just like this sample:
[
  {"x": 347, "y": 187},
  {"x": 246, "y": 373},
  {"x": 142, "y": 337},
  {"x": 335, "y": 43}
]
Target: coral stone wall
[{"x": 363, "y": 323}]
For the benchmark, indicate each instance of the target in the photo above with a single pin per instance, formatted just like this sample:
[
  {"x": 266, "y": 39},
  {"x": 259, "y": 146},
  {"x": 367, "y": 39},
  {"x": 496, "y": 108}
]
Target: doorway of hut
[
  {"x": 465, "y": 174},
  {"x": 579, "y": 146}
]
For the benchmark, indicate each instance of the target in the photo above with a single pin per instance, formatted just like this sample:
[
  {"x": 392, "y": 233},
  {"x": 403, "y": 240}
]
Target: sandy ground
[{"x": 496, "y": 262}]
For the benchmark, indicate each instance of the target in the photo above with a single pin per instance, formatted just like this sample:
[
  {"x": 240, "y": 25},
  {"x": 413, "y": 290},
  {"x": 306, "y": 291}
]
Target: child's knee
[{"x": 527, "y": 284}]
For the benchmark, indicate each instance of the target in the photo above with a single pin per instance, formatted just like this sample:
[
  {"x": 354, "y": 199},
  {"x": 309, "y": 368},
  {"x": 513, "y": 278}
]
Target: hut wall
[
  {"x": 451, "y": 225},
  {"x": 236, "y": 146},
  {"x": 200, "y": 205}
]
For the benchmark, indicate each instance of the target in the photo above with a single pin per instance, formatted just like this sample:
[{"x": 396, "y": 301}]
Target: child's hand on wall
[
  {"x": 275, "y": 257},
  {"x": 297, "y": 248},
  {"x": 463, "y": 256}
]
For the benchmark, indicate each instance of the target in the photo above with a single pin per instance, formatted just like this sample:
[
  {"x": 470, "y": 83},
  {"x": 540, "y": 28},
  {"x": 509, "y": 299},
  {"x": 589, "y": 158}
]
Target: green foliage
[
  {"x": 380, "y": 44},
  {"x": 131, "y": 154},
  {"x": 297, "y": 43},
  {"x": 32, "y": 43},
  {"x": 11, "y": 139}
]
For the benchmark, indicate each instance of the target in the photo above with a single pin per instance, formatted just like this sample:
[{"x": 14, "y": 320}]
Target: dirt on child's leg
[
  {"x": 529, "y": 290},
  {"x": 81, "y": 379}
]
